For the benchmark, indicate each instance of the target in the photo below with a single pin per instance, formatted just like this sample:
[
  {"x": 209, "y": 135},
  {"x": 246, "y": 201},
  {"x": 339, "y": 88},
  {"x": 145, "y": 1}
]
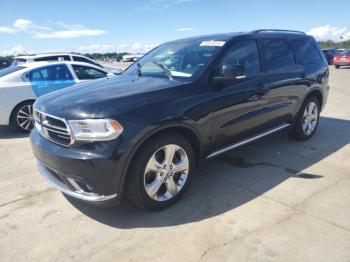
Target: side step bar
[{"x": 246, "y": 141}]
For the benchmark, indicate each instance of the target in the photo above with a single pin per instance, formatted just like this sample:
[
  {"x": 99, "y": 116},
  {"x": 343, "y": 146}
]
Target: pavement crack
[{"x": 27, "y": 197}]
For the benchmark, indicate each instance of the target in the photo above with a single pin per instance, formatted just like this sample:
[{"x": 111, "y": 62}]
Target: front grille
[{"x": 53, "y": 128}]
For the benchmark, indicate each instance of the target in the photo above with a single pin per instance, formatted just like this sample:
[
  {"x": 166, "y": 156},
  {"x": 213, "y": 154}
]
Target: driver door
[{"x": 238, "y": 107}]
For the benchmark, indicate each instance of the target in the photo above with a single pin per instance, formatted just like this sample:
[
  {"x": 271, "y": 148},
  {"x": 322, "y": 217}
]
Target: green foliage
[
  {"x": 106, "y": 56},
  {"x": 331, "y": 44}
]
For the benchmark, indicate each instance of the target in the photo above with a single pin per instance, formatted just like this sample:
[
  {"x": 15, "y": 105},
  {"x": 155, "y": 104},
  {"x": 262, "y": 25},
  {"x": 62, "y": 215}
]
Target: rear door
[
  {"x": 284, "y": 78},
  {"x": 49, "y": 78}
]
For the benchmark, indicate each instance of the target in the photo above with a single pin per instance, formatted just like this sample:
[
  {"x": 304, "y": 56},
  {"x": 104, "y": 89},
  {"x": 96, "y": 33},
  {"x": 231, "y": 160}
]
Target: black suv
[{"x": 144, "y": 132}]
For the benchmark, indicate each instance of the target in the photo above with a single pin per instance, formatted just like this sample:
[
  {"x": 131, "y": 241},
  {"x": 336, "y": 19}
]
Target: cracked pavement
[{"x": 271, "y": 200}]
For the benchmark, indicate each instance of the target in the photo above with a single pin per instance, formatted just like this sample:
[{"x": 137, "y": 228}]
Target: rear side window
[
  {"x": 85, "y": 72},
  {"x": 244, "y": 53},
  {"x": 306, "y": 51},
  {"x": 50, "y": 73},
  {"x": 277, "y": 54},
  {"x": 53, "y": 58}
]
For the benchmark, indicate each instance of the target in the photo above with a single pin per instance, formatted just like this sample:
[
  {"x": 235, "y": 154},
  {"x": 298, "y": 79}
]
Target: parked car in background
[
  {"x": 21, "y": 84},
  {"x": 131, "y": 58},
  {"x": 144, "y": 132},
  {"x": 4, "y": 63},
  {"x": 329, "y": 53},
  {"x": 342, "y": 58},
  {"x": 49, "y": 57}
]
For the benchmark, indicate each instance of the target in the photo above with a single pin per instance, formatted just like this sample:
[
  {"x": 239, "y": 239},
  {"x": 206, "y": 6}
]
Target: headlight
[{"x": 95, "y": 129}]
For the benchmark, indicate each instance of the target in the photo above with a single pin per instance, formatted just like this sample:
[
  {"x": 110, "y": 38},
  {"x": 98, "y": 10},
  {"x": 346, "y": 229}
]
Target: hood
[{"x": 104, "y": 97}]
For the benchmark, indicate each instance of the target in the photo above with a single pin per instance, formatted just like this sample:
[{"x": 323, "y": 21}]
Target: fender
[{"x": 142, "y": 138}]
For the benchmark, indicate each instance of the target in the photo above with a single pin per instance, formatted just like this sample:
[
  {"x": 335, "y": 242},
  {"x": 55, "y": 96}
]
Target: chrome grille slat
[
  {"x": 53, "y": 128},
  {"x": 56, "y": 131},
  {"x": 47, "y": 125}
]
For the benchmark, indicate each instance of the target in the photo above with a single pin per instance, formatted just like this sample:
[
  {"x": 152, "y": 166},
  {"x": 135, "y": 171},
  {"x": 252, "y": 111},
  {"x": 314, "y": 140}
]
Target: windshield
[
  {"x": 10, "y": 70},
  {"x": 176, "y": 59}
]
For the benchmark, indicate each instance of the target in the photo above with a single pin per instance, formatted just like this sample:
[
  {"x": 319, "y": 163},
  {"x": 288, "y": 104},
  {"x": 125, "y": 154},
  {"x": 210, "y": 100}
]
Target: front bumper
[
  {"x": 51, "y": 177},
  {"x": 92, "y": 174}
]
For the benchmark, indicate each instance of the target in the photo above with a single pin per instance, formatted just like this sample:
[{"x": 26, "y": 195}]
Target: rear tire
[
  {"x": 22, "y": 117},
  {"x": 160, "y": 173},
  {"x": 307, "y": 122}
]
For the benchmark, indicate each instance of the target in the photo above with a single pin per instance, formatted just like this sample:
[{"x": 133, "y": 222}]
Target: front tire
[
  {"x": 337, "y": 67},
  {"x": 307, "y": 122},
  {"x": 160, "y": 172},
  {"x": 22, "y": 117}
]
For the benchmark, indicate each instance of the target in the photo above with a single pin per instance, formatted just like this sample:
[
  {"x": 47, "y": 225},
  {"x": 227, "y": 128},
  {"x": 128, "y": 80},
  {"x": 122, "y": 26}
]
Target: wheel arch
[
  {"x": 316, "y": 93},
  {"x": 11, "y": 119},
  {"x": 189, "y": 132}
]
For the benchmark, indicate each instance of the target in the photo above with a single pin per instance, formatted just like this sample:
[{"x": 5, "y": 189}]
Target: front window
[
  {"x": 88, "y": 73},
  {"x": 176, "y": 59}
]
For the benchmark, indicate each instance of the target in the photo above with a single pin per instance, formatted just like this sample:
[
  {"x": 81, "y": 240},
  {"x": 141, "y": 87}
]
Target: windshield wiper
[
  {"x": 165, "y": 70},
  {"x": 138, "y": 69}
]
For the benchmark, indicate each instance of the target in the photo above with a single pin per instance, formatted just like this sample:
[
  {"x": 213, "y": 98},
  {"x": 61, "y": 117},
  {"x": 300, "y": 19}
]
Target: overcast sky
[{"x": 137, "y": 25}]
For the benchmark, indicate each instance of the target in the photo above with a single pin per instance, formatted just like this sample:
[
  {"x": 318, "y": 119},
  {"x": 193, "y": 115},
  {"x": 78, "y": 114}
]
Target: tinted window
[
  {"x": 306, "y": 51},
  {"x": 53, "y": 58},
  {"x": 82, "y": 59},
  {"x": 10, "y": 70},
  {"x": 85, "y": 72},
  {"x": 50, "y": 73},
  {"x": 244, "y": 53},
  {"x": 277, "y": 54}
]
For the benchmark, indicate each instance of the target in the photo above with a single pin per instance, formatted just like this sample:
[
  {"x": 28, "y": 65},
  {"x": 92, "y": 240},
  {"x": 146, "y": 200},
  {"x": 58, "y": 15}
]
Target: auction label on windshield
[{"x": 212, "y": 43}]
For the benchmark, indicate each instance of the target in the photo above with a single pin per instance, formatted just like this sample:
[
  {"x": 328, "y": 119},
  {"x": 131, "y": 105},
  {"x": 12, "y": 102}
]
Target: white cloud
[
  {"x": 6, "y": 30},
  {"x": 184, "y": 29},
  {"x": 328, "y": 32},
  {"x": 58, "y": 30},
  {"x": 107, "y": 48},
  {"x": 22, "y": 24},
  {"x": 74, "y": 33},
  {"x": 16, "y": 50},
  {"x": 96, "y": 48}
]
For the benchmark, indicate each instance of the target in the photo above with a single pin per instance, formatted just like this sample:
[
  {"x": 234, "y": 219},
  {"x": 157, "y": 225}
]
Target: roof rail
[{"x": 278, "y": 30}]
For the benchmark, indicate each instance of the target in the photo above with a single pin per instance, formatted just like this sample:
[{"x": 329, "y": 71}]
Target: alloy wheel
[
  {"x": 310, "y": 118},
  {"x": 25, "y": 117},
  {"x": 166, "y": 172}
]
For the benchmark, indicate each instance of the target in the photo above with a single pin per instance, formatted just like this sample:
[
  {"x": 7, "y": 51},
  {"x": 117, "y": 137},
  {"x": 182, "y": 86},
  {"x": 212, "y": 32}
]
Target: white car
[
  {"x": 50, "y": 57},
  {"x": 20, "y": 85}
]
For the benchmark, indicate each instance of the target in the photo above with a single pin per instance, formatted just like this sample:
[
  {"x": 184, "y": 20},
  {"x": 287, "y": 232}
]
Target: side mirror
[{"x": 230, "y": 72}]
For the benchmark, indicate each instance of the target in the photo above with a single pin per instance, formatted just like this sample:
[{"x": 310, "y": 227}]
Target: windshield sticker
[{"x": 212, "y": 43}]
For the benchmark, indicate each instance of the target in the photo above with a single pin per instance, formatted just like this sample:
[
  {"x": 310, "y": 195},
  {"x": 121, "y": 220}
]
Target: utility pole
[{"x": 341, "y": 43}]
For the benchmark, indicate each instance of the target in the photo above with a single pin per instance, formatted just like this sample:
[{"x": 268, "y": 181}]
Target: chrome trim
[
  {"x": 49, "y": 127},
  {"x": 246, "y": 141},
  {"x": 90, "y": 197}
]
